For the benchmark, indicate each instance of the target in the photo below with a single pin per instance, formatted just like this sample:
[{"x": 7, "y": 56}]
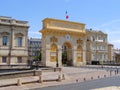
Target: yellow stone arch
[
  {"x": 55, "y": 33},
  {"x": 68, "y": 44}
]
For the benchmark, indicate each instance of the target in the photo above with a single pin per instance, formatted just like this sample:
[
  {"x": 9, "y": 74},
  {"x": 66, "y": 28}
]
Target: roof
[{"x": 62, "y": 20}]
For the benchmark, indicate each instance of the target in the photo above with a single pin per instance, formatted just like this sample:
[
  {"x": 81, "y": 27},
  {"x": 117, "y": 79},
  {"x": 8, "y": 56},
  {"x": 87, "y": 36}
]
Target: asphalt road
[{"x": 87, "y": 85}]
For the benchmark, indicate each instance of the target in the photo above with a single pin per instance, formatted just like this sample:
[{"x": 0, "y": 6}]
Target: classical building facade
[
  {"x": 117, "y": 56},
  {"x": 13, "y": 41},
  {"x": 111, "y": 57},
  {"x": 63, "y": 42},
  {"x": 34, "y": 48},
  {"x": 96, "y": 47}
]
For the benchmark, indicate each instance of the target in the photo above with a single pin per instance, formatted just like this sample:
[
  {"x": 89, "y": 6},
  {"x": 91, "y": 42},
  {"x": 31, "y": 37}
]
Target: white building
[
  {"x": 13, "y": 41},
  {"x": 96, "y": 47}
]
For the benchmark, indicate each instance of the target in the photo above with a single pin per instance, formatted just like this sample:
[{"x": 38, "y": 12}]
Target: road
[{"x": 87, "y": 85}]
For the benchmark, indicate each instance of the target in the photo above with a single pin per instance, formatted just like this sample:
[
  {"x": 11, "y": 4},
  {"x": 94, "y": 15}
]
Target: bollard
[
  {"x": 91, "y": 78},
  {"x": 59, "y": 78},
  {"x": 76, "y": 80},
  {"x": 84, "y": 79},
  {"x": 115, "y": 72},
  {"x": 40, "y": 79},
  {"x": 19, "y": 82},
  {"x": 98, "y": 76},
  {"x": 104, "y": 75},
  {"x": 63, "y": 77}
]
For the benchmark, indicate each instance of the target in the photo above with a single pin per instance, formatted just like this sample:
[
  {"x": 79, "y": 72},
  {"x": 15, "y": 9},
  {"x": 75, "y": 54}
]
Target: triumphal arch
[{"x": 63, "y": 43}]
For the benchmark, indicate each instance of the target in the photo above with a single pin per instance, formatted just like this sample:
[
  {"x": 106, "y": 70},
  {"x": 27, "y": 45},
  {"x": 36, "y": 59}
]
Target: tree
[
  {"x": 38, "y": 56},
  {"x": 37, "y": 59},
  {"x": 64, "y": 57}
]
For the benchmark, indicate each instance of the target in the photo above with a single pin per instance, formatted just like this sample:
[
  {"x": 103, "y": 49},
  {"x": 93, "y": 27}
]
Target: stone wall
[{"x": 18, "y": 74}]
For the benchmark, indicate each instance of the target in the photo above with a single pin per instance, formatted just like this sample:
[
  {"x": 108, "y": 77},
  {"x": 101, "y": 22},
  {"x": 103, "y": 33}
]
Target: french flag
[{"x": 67, "y": 15}]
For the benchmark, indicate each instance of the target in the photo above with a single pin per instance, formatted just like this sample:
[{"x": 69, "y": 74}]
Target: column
[
  {"x": 47, "y": 57},
  {"x": 60, "y": 57},
  {"x": 84, "y": 51},
  {"x": 74, "y": 56}
]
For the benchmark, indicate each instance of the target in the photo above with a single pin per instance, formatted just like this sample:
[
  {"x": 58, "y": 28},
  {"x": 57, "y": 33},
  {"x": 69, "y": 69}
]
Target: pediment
[
  {"x": 4, "y": 33},
  {"x": 19, "y": 34}
]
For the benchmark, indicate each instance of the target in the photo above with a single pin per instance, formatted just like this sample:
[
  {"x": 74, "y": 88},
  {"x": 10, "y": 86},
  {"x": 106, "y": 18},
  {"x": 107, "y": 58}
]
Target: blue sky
[{"x": 101, "y": 15}]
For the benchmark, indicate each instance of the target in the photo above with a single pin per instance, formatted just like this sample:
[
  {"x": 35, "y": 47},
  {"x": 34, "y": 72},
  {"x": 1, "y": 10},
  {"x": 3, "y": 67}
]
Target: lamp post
[
  {"x": 31, "y": 54},
  {"x": 57, "y": 65},
  {"x": 37, "y": 58}
]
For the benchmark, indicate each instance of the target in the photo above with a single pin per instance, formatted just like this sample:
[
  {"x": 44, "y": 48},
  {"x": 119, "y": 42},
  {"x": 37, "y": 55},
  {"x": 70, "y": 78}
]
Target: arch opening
[{"x": 67, "y": 54}]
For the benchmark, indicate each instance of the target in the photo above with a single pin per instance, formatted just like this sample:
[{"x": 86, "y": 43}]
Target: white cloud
[
  {"x": 34, "y": 34},
  {"x": 112, "y": 28},
  {"x": 110, "y": 23},
  {"x": 116, "y": 41},
  {"x": 31, "y": 32}
]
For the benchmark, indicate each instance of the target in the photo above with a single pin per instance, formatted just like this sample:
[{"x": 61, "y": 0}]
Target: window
[
  {"x": 19, "y": 41},
  {"x": 93, "y": 38},
  {"x": 104, "y": 39},
  {"x": 4, "y": 40},
  {"x": 104, "y": 56},
  {"x": 93, "y": 57},
  {"x": 19, "y": 59},
  {"x": 4, "y": 59},
  {"x": 100, "y": 38}
]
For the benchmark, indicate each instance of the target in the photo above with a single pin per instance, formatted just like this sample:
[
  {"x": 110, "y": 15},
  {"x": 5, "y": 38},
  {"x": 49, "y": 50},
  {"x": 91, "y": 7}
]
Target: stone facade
[
  {"x": 111, "y": 53},
  {"x": 97, "y": 47},
  {"x": 63, "y": 43},
  {"x": 34, "y": 48},
  {"x": 57, "y": 34},
  {"x": 117, "y": 56},
  {"x": 13, "y": 41}
]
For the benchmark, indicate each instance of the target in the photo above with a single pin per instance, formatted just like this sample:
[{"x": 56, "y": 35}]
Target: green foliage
[
  {"x": 38, "y": 57},
  {"x": 64, "y": 57}
]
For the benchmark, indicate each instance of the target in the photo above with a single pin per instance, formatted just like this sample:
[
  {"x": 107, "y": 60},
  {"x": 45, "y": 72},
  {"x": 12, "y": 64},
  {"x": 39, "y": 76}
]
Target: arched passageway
[{"x": 67, "y": 54}]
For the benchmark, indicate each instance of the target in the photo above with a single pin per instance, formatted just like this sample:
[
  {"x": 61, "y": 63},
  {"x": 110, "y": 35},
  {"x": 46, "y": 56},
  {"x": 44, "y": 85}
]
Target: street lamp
[
  {"x": 37, "y": 52},
  {"x": 57, "y": 65}
]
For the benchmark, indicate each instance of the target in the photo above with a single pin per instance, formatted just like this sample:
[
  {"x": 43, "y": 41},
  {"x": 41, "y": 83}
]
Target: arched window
[
  {"x": 79, "y": 53},
  {"x": 5, "y": 37},
  {"x": 4, "y": 40},
  {"x": 19, "y": 39},
  {"x": 53, "y": 53}
]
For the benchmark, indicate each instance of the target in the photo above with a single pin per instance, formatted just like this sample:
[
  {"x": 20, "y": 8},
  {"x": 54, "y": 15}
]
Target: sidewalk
[{"x": 72, "y": 75}]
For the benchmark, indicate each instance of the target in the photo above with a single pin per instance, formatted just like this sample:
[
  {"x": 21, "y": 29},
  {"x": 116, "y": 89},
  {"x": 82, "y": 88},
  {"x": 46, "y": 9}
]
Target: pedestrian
[
  {"x": 76, "y": 80},
  {"x": 117, "y": 70},
  {"x": 110, "y": 72}
]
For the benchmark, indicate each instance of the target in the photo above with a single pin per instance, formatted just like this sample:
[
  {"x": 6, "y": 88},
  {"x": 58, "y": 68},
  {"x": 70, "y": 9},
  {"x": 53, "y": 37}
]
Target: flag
[
  {"x": 66, "y": 15},
  {"x": 66, "y": 12}
]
